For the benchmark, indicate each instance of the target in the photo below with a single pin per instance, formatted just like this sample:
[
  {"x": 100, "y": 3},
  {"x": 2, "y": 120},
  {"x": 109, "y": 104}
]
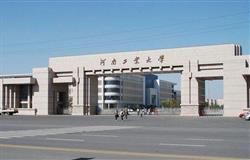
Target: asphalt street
[{"x": 102, "y": 137}]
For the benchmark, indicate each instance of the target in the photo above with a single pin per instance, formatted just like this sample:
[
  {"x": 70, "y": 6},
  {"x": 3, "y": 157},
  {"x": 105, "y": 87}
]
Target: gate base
[{"x": 189, "y": 110}]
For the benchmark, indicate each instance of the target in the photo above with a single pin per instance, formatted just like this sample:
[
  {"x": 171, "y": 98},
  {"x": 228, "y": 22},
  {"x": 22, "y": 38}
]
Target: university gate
[
  {"x": 196, "y": 64},
  {"x": 47, "y": 87}
]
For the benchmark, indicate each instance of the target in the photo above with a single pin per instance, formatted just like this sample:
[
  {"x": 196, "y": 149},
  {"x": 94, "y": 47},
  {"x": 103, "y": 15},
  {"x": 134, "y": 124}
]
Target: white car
[
  {"x": 9, "y": 111},
  {"x": 247, "y": 116}
]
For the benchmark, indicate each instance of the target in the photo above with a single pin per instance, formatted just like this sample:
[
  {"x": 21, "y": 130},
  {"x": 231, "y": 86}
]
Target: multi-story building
[
  {"x": 158, "y": 90},
  {"x": 166, "y": 90},
  {"x": 151, "y": 90},
  {"x": 120, "y": 91},
  {"x": 132, "y": 91},
  {"x": 177, "y": 95}
]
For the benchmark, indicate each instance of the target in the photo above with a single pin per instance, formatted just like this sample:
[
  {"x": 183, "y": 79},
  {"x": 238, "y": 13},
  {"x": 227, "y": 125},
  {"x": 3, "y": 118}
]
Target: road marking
[
  {"x": 204, "y": 139},
  {"x": 118, "y": 153},
  {"x": 181, "y": 145},
  {"x": 54, "y": 131},
  {"x": 62, "y": 139},
  {"x": 100, "y": 135}
]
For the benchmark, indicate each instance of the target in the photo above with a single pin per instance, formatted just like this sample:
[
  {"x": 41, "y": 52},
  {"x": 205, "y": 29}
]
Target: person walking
[
  {"x": 126, "y": 113},
  {"x": 35, "y": 111},
  {"x": 142, "y": 112},
  {"x": 138, "y": 111},
  {"x": 116, "y": 114},
  {"x": 122, "y": 114}
]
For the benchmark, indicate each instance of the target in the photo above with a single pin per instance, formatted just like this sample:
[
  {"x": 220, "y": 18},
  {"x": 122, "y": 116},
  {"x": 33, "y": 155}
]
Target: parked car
[
  {"x": 130, "y": 110},
  {"x": 9, "y": 111},
  {"x": 247, "y": 116}
]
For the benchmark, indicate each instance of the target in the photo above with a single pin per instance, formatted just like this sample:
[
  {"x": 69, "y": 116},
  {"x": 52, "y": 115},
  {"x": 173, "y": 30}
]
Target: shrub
[{"x": 171, "y": 103}]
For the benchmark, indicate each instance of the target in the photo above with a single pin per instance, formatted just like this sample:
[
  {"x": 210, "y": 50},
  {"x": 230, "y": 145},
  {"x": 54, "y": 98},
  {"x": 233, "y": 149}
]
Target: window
[
  {"x": 105, "y": 106},
  {"x": 111, "y": 106},
  {"x": 112, "y": 97},
  {"x": 112, "y": 90},
  {"x": 23, "y": 105},
  {"x": 24, "y": 92},
  {"x": 153, "y": 99},
  {"x": 114, "y": 82}
]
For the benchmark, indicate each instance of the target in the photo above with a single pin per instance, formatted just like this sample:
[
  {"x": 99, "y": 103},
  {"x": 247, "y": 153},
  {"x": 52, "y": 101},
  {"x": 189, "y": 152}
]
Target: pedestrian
[
  {"x": 122, "y": 114},
  {"x": 116, "y": 114},
  {"x": 142, "y": 112},
  {"x": 126, "y": 113},
  {"x": 138, "y": 111},
  {"x": 35, "y": 111}
]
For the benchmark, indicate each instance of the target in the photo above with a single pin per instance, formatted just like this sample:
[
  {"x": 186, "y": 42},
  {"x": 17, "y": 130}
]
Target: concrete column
[
  {"x": 14, "y": 96},
  {"x": 235, "y": 84},
  {"x": 81, "y": 89},
  {"x": 28, "y": 96},
  {"x": 75, "y": 87},
  {"x": 102, "y": 78},
  {"x": 1, "y": 94},
  {"x": 10, "y": 96},
  {"x": 86, "y": 96},
  {"x": 81, "y": 85},
  {"x": 144, "y": 91},
  {"x": 43, "y": 91},
  {"x": 189, "y": 90},
  {"x": 189, "y": 95},
  {"x": 6, "y": 91},
  {"x": 78, "y": 91}
]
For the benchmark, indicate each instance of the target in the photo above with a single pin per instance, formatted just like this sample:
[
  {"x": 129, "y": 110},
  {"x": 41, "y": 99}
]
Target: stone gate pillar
[
  {"x": 189, "y": 95},
  {"x": 235, "y": 86},
  {"x": 189, "y": 90},
  {"x": 78, "y": 91},
  {"x": 43, "y": 91},
  {"x": 85, "y": 90}
]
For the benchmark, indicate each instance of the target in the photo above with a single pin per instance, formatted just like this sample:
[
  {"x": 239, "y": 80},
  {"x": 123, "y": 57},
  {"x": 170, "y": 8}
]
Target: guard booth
[{"x": 17, "y": 93}]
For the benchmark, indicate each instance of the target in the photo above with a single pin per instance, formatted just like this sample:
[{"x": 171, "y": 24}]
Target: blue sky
[{"x": 32, "y": 31}]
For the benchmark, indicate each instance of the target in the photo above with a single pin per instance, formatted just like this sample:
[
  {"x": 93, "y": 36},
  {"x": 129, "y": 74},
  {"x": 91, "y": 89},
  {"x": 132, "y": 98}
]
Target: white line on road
[
  {"x": 62, "y": 139},
  {"x": 55, "y": 131},
  {"x": 204, "y": 139},
  {"x": 99, "y": 135},
  {"x": 181, "y": 145}
]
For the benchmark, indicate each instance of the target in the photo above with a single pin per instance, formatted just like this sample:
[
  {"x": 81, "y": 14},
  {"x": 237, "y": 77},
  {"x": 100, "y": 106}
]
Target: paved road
[{"x": 101, "y": 137}]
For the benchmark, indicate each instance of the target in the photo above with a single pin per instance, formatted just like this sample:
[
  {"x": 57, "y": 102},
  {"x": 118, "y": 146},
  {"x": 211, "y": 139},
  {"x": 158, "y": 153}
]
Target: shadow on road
[{"x": 82, "y": 158}]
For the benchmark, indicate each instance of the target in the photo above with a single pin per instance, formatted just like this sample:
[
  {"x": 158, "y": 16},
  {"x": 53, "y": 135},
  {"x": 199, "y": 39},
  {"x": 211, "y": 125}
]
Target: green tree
[{"x": 171, "y": 103}]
